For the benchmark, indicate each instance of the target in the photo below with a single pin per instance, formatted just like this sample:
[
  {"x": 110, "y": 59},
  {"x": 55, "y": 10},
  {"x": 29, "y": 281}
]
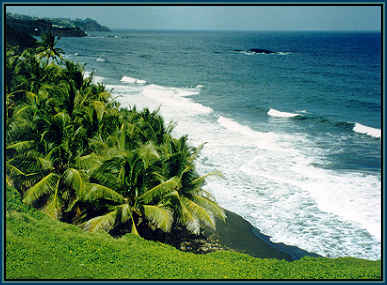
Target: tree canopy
[{"x": 75, "y": 153}]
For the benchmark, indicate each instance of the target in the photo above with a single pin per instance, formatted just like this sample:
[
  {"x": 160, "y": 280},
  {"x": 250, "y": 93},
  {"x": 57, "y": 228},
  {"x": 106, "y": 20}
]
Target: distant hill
[
  {"x": 59, "y": 26},
  {"x": 90, "y": 25}
]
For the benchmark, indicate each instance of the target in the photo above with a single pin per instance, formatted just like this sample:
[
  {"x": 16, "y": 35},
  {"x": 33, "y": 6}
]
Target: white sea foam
[
  {"x": 278, "y": 189},
  {"x": 248, "y": 52},
  {"x": 276, "y": 113},
  {"x": 199, "y": 86},
  {"x": 373, "y": 132},
  {"x": 271, "y": 180},
  {"x": 174, "y": 99},
  {"x": 262, "y": 140},
  {"x": 254, "y": 53},
  {"x": 100, "y": 59},
  {"x": 127, "y": 79},
  {"x": 96, "y": 78}
]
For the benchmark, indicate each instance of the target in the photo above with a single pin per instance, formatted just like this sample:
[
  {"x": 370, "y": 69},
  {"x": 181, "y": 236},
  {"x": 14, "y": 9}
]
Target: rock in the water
[{"x": 257, "y": 50}]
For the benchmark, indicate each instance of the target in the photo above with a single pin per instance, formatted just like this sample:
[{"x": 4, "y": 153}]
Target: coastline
[{"x": 239, "y": 235}]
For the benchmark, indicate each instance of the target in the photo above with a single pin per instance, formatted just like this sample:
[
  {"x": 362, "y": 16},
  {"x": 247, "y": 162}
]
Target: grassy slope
[{"x": 40, "y": 248}]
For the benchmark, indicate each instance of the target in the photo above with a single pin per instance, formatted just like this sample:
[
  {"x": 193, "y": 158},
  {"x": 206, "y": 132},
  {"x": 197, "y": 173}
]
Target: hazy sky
[{"x": 219, "y": 17}]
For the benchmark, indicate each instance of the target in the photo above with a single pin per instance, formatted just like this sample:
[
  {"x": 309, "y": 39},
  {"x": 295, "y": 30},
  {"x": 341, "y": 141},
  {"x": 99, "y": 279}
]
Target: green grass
[{"x": 38, "y": 247}]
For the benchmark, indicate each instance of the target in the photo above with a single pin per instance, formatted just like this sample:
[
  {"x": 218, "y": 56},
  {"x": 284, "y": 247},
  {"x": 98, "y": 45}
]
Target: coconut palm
[
  {"x": 54, "y": 178},
  {"x": 193, "y": 206},
  {"x": 46, "y": 155},
  {"x": 48, "y": 49},
  {"x": 131, "y": 190}
]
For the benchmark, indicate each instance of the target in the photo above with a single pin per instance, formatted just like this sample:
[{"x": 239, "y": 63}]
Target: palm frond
[
  {"x": 99, "y": 108},
  {"x": 21, "y": 110},
  {"x": 46, "y": 186},
  {"x": 104, "y": 96},
  {"x": 89, "y": 162},
  {"x": 101, "y": 223},
  {"x": 148, "y": 153},
  {"x": 196, "y": 152},
  {"x": 8, "y": 181},
  {"x": 62, "y": 119},
  {"x": 185, "y": 216},
  {"x": 73, "y": 179},
  {"x": 161, "y": 217},
  {"x": 125, "y": 213},
  {"x": 97, "y": 192},
  {"x": 199, "y": 212},
  {"x": 31, "y": 97},
  {"x": 163, "y": 188},
  {"x": 210, "y": 205},
  {"x": 45, "y": 164},
  {"x": 201, "y": 179},
  {"x": 13, "y": 170},
  {"x": 21, "y": 146}
]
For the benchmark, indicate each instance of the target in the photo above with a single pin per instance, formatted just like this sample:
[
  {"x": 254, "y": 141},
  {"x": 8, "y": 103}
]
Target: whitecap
[
  {"x": 100, "y": 59},
  {"x": 174, "y": 99},
  {"x": 248, "y": 52},
  {"x": 361, "y": 129},
  {"x": 132, "y": 80},
  {"x": 96, "y": 78},
  {"x": 276, "y": 113}
]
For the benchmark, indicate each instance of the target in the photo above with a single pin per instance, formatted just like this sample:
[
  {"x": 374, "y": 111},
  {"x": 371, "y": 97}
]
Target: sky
[{"x": 258, "y": 18}]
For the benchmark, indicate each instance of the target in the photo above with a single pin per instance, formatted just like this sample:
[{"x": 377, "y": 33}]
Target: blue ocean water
[{"x": 296, "y": 133}]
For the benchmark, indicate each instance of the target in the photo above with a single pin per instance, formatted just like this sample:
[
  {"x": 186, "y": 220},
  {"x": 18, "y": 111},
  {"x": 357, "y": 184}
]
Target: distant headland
[{"x": 62, "y": 27}]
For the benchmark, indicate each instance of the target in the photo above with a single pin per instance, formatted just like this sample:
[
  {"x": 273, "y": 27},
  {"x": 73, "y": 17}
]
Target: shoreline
[{"x": 240, "y": 235}]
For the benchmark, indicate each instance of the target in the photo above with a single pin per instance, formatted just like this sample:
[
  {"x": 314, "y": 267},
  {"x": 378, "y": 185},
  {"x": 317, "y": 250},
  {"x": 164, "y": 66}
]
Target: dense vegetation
[{"x": 73, "y": 153}]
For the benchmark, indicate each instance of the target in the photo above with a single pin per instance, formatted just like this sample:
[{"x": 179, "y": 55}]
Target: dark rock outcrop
[{"x": 256, "y": 50}]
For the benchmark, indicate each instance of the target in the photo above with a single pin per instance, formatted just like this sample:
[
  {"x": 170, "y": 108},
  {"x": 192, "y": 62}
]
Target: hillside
[
  {"x": 59, "y": 26},
  {"x": 66, "y": 252}
]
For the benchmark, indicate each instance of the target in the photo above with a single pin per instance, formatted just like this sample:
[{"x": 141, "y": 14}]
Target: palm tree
[
  {"x": 193, "y": 206},
  {"x": 47, "y": 48},
  {"x": 46, "y": 154},
  {"x": 130, "y": 190},
  {"x": 53, "y": 169}
]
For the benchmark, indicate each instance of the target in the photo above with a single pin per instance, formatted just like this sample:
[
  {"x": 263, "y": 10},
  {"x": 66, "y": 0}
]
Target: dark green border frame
[{"x": 187, "y": 3}]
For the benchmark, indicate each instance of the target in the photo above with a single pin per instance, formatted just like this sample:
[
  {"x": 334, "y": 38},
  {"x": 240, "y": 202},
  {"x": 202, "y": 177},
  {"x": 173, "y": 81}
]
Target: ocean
[{"x": 296, "y": 133}]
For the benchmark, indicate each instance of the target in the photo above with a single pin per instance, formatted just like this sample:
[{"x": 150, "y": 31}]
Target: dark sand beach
[{"x": 239, "y": 235}]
